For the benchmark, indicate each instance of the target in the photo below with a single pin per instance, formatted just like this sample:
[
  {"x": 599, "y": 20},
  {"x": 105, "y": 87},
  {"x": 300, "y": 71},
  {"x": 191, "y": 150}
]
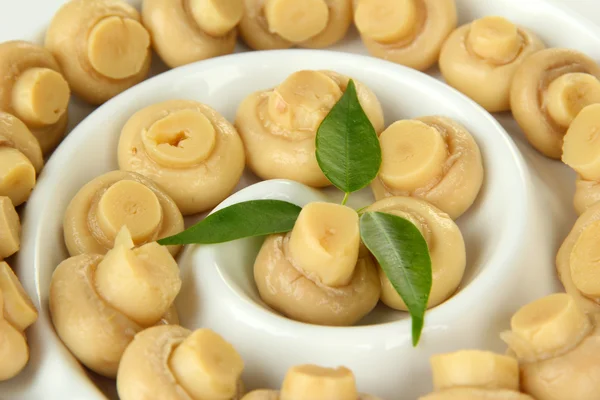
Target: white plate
[{"x": 538, "y": 211}]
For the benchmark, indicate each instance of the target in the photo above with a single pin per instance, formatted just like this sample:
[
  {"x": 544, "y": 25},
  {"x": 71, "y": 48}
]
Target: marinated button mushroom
[
  {"x": 187, "y": 148},
  {"x": 171, "y": 362},
  {"x": 481, "y": 58},
  {"x": 18, "y": 313},
  {"x": 445, "y": 243},
  {"x": 187, "y": 31},
  {"x": 577, "y": 261},
  {"x": 407, "y": 32},
  {"x": 10, "y": 228},
  {"x": 587, "y": 194},
  {"x": 548, "y": 90},
  {"x": 33, "y": 89},
  {"x": 101, "y": 46},
  {"x": 281, "y": 24},
  {"x": 312, "y": 382},
  {"x": 14, "y": 133},
  {"x": 475, "y": 375},
  {"x": 556, "y": 344},
  {"x": 117, "y": 199},
  {"x": 278, "y": 126},
  {"x": 98, "y": 303},
  {"x": 315, "y": 273},
  {"x": 432, "y": 158}
]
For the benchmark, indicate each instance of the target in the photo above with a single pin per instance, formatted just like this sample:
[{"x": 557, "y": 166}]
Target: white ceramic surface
[{"x": 217, "y": 290}]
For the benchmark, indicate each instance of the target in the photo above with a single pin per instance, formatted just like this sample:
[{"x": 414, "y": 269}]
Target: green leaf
[
  {"x": 241, "y": 220},
  {"x": 402, "y": 252},
  {"x": 348, "y": 150}
]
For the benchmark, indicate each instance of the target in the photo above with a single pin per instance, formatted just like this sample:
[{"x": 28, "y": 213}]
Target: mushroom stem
[
  {"x": 495, "y": 38},
  {"x": 17, "y": 175},
  {"x": 217, "y": 17},
  {"x": 317, "y": 383},
  {"x": 296, "y": 21},
  {"x": 569, "y": 94},
  {"x": 581, "y": 147},
  {"x": 585, "y": 261},
  {"x": 18, "y": 309},
  {"x": 14, "y": 351},
  {"x": 386, "y": 21},
  {"x": 10, "y": 228}
]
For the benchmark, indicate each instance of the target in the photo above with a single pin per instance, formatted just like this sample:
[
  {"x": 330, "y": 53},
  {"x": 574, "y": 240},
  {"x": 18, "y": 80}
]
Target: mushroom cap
[
  {"x": 463, "y": 174},
  {"x": 17, "y": 57},
  {"x": 467, "y": 393},
  {"x": 144, "y": 372},
  {"x": 436, "y": 20},
  {"x": 82, "y": 231},
  {"x": 587, "y": 193},
  {"x": 528, "y": 87},
  {"x": 14, "y": 133},
  {"x": 444, "y": 240},
  {"x": 287, "y": 290},
  {"x": 267, "y": 394},
  {"x": 10, "y": 228},
  {"x": 67, "y": 39},
  {"x": 199, "y": 187},
  {"x": 275, "y": 156},
  {"x": 486, "y": 82},
  {"x": 254, "y": 27},
  {"x": 177, "y": 38}
]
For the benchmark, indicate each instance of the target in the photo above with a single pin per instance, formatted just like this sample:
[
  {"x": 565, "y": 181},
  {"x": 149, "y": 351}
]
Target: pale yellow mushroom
[
  {"x": 113, "y": 200},
  {"x": 407, "y": 32},
  {"x": 98, "y": 303},
  {"x": 303, "y": 382},
  {"x": 171, "y": 362},
  {"x": 10, "y": 228},
  {"x": 556, "y": 344},
  {"x": 14, "y": 133},
  {"x": 278, "y": 126},
  {"x": 581, "y": 146},
  {"x": 480, "y": 59},
  {"x": 17, "y": 313},
  {"x": 187, "y": 31},
  {"x": 548, "y": 90},
  {"x": 281, "y": 24},
  {"x": 475, "y": 375},
  {"x": 191, "y": 151},
  {"x": 315, "y": 273},
  {"x": 431, "y": 158},
  {"x": 445, "y": 243},
  {"x": 101, "y": 45},
  {"x": 33, "y": 89},
  {"x": 587, "y": 194}
]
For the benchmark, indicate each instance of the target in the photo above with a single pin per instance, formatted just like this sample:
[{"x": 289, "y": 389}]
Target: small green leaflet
[
  {"x": 241, "y": 220},
  {"x": 403, "y": 255},
  {"x": 348, "y": 150}
]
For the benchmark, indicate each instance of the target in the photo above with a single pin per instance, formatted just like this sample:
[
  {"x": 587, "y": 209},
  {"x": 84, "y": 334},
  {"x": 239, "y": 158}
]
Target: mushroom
[
  {"x": 102, "y": 47},
  {"x": 431, "y": 158},
  {"x": 445, "y": 243},
  {"x": 557, "y": 347},
  {"x": 171, "y": 362},
  {"x": 548, "y": 90},
  {"x": 187, "y": 31},
  {"x": 281, "y": 24},
  {"x": 313, "y": 382},
  {"x": 587, "y": 193},
  {"x": 187, "y": 148},
  {"x": 481, "y": 58},
  {"x": 475, "y": 375},
  {"x": 98, "y": 303},
  {"x": 577, "y": 261},
  {"x": 113, "y": 200},
  {"x": 407, "y": 32},
  {"x": 279, "y": 126},
  {"x": 32, "y": 88},
  {"x": 17, "y": 313},
  {"x": 315, "y": 273},
  {"x": 10, "y": 228}
]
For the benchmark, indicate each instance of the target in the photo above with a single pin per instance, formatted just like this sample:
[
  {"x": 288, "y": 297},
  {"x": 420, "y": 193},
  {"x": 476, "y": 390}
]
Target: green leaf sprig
[{"x": 349, "y": 154}]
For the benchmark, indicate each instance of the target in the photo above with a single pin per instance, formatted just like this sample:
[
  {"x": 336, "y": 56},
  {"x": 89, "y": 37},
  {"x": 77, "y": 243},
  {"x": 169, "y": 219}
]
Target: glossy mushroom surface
[
  {"x": 113, "y": 200},
  {"x": 98, "y": 303},
  {"x": 10, "y": 228},
  {"x": 279, "y": 125},
  {"x": 480, "y": 59},
  {"x": 407, "y": 32},
  {"x": 33, "y": 89},
  {"x": 431, "y": 158},
  {"x": 548, "y": 90},
  {"x": 171, "y": 362},
  {"x": 315, "y": 273},
  {"x": 191, "y": 151},
  {"x": 444, "y": 240},
  {"x": 587, "y": 194},
  {"x": 187, "y": 31},
  {"x": 281, "y": 24},
  {"x": 101, "y": 46}
]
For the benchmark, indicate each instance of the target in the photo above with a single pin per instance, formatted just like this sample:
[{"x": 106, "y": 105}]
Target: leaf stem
[{"x": 345, "y": 200}]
